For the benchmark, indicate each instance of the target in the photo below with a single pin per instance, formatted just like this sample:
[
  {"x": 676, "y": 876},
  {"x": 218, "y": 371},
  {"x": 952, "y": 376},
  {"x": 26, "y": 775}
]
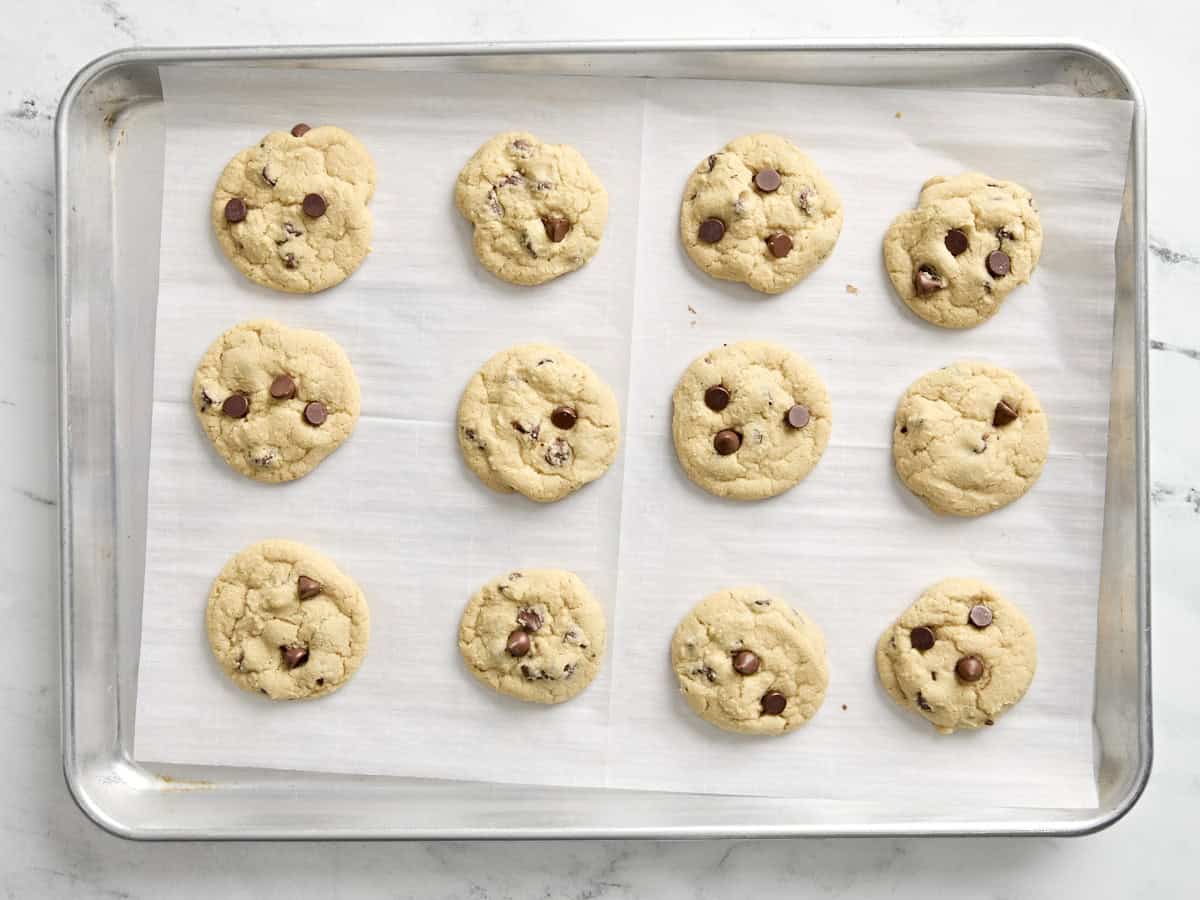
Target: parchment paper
[{"x": 399, "y": 511}]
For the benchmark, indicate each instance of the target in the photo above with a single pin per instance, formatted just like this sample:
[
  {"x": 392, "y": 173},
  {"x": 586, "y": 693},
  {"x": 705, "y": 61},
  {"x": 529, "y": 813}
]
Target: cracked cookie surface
[
  {"x": 282, "y": 620},
  {"x": 959, "y": 656},
  {"x": 970, "y": 241},
  {"x": 750, "y": 420},
  {"x": 536, "y": 634},
  {"x": 538, "y": 210},
  {"x": 969, "y": 438},
  {"x": 760, "y": 212},
  {"x": 291, "y": 212},
  {"x": 538, "y": 421},
  {"x": 275, "y": 401},
  {"x": 747, "y": 662}
]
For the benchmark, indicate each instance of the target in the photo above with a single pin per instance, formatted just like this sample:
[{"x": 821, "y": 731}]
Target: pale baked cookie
[
  {"x": 538, "y": 421},
  {"x": 275, "y": 401},
  {"x": 969, "y": 438},
  {"x": 536, "y": 635},
  {"x": 760, "y": 212},
  {"x": 291, "y": 212},
  {"x": 284, "y": 621},
  {"x": 959, "y": 656},
  {"x": 748, "y": 662},
  {"x": 750, "y": 421},
  {"x": 538, "y": 210},
  {"x": 969, "y": 242}
]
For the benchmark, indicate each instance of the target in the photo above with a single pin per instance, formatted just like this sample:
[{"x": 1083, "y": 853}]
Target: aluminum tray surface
[{"x": 109, "y": 143}]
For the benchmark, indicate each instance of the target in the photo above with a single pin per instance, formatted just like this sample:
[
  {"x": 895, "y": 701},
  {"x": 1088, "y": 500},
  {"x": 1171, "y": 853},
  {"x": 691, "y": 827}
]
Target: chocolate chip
[
  {"x": 956, "y": 242},
  {"x": 998, "y": 263},
  {"x": 314, "y": 413},
  {"x": 559, "y": 453},
  {"x": 798, "y": 416},
  {"x": 529, "y": 619},
  {"x": 206, "y": 401},
  {"x": 711, "y": 230},
  {"x": 980, "y": 616},
  {"x": 320, "y": 682},
  {"x": 923, "y": 703},
  {"x": 1003, "y": 415},
  {"x": 313, "y": 206},
  {"x": 767, "y": 180},
  {"x": 745, "y": 662},
  {"x": 268, "y": 179},
  {"x": 773, "y": 703},
  {"x": 556, "y": 227},
  {"x": 926, "y": 281},
  {"x": 727, "y": 441},
  {"x": 295, "y": 656},
  {"x": 235, "y": 210},
  {"x": 716, "y": 397},
  {"x": 289, "y": 261},
  {"x": 283, "y": 387},
  {"x": 300, "y": 130},
  {"x": 236, "y": 406},
  {"x": 969, "y": 668},
  {"x": 564, "y": 417},
  {"x": 780, "y": 245},
  {"x": 518, "y": 642},
  {"x": 988, "y": 722},
  {"x": 921, "y": 638},
  {"x": 712, "y": 161},
  {"x": 307, "y": 588}
]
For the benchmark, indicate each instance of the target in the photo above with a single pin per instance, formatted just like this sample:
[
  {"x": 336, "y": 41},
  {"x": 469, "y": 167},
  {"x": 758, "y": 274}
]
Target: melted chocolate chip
[
  {"x": 956, "y": 242},
  {"x": 307, "y": 588},
  {"x": 745, "y": 662},
  {"x": 926, "y": 281},
  {"x": 313, "y": 206},
  {"x": 727, "y": 441},
  {"x": 518, "y": 643},
  {"x": 300, "y": 129},
  {"x": 235, "y": 210},
  {"x": 767, "y": 180},
  {"x": 716, "y": 397},
  {"x": 1003, "y": 415},
  {"x": 564, "y": 417},
  {"x": 711, "y": 230},
  {"x": 998, "y": 263},
  {"x": 314, "y": 413},
  {"x": 780, "y": 245},
  {"x": 529, "y": 620},
  {"x": 922, "y": 638},
  {"x": 283, "y": 387},
  {"x": 773, "y": 703},
  {"x": 556, "y": 227},
  {"x": 294, "y": 656},
  {"x": 236, "y": 406},
  {"x": 969, "y": 668}
]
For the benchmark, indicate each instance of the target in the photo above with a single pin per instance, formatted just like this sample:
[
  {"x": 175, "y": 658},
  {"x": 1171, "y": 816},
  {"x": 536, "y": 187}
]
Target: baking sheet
[{"x": 399, "y": 511}]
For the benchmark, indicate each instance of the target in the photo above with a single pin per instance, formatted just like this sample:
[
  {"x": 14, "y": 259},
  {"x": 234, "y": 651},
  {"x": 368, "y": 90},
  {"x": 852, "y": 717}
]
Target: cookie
[
  {"x": 291, "y": 212},
  {"x": 284, "y": 621},
  {"x": 748, "y": 662},
  {"x": 751, "y": 420},
  {"x": 275, "y": 401},
  {"x": 759, "y": 212},
  {"x": 959, "y": 656},
  {"x": 538, "y": 210},
  {"x": 537, "y": 635},
  {"x": 537, "y": 421},
  {"x": 970, "y": 241},
  {"x": 969, "y": 438}
]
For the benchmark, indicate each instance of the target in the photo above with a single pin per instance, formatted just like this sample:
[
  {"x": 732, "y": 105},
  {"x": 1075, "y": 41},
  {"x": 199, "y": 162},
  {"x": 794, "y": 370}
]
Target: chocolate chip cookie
[
  {"x": 970, "y": 241},
  {"x": 538, "y": 210},
  {"x": 959, "y": 656},
  {"x": 537, "y": 635},
  {"x": 969, "y": 438},
  {"x": 275, "y": 401},
  {"x": 748, "y": 662},
  {"x": 760, "y": 212},
  {"x": 537, "y": 421},
  {"x": 751, "y": 420},
  {"x": 291, "y": 212},
  {"x": 284, "y": 621}
]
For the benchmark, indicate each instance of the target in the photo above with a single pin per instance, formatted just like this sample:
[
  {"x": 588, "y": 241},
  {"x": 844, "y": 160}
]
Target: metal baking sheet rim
[{"x": 72, "y": 765}]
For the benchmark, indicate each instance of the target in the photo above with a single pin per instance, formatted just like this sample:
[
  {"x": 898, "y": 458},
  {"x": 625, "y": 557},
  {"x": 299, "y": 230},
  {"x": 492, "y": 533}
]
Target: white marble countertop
[{"x": 48, "y": 848}]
